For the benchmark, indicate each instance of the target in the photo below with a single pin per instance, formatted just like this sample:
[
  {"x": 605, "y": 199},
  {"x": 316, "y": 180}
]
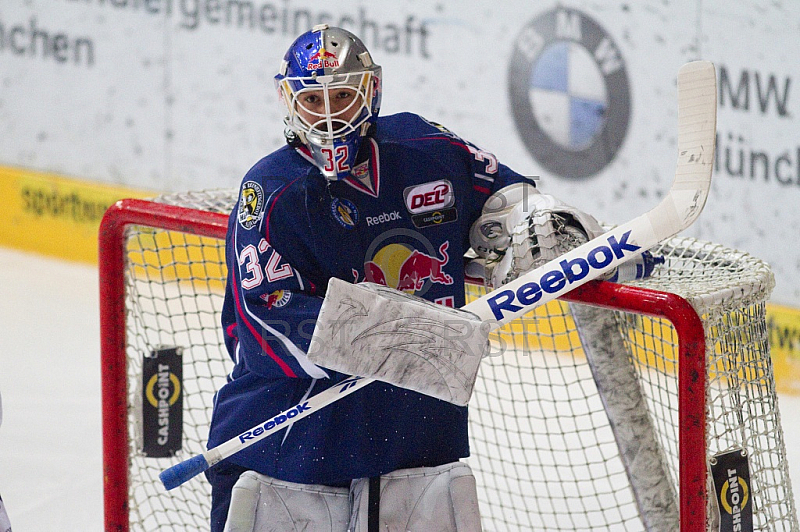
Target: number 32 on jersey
[{"x": 253, "y": 274}]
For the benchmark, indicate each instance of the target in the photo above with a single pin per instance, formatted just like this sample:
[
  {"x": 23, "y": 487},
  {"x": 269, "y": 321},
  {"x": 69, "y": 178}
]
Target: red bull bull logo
[
  {"x": 322, "y": 59},
  {"x": 419, "y": 267},
  {"x": 405, "y": 268},
  {"x": 277, "y": 299},
  {"x": 374, "y": 273}
]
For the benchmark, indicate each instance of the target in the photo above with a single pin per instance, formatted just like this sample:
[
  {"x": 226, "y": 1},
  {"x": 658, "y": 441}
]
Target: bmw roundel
[{"x": 569, "y": 93}]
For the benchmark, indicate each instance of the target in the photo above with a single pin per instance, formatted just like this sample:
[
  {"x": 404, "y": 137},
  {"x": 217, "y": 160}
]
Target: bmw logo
[{"x": 569, "y": 93}]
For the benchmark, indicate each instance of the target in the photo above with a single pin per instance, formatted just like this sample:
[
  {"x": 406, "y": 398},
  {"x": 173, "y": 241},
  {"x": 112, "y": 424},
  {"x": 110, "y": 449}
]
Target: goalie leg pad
[
  {"x": 264, "y": 504},
  {"x": 433, "y": 499},
  {"x": 374, "y": 331},
  {"x": 5, "y": 524}
]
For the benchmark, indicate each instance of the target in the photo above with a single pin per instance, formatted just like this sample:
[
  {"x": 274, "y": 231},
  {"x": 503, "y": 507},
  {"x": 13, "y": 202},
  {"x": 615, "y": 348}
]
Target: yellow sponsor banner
[
  {"x": 783, "y": 324},
  {"x": 53, "y": 215},
  {"x": 654, "y": 343}
]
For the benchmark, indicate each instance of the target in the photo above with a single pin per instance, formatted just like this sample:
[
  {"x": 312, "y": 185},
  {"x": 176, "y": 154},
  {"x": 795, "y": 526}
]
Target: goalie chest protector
[{"x": 401, "y": 220}]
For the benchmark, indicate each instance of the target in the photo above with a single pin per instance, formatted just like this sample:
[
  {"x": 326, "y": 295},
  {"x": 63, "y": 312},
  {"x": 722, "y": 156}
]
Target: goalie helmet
[{"x": 331, "y": 90}]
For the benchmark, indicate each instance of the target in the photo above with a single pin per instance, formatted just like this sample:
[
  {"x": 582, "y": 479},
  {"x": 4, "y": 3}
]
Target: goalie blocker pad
[{"x": 374, "y": 331}]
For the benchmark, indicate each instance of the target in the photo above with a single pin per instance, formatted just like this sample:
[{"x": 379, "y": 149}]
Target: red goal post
[
  {"x": 113, "y": 343},
  {"x": 205, "y": 216}
]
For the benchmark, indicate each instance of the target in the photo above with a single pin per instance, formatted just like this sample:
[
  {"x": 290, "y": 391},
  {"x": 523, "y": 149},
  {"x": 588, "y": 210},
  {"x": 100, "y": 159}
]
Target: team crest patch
[
  {"x": 344, "y": 212},
  {"x": 251, "y": 205}
]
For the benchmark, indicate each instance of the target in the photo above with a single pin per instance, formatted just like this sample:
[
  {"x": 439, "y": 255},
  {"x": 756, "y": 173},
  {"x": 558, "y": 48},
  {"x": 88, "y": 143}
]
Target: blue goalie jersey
[{"x": 401, "y": 219}]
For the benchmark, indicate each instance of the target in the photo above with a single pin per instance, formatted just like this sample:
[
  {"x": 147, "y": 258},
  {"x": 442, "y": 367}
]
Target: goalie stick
[{"x": 678, "y": 210}]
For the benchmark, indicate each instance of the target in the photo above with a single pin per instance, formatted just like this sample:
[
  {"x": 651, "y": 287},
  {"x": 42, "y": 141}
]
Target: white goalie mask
[{"x": 331, "y": 90}]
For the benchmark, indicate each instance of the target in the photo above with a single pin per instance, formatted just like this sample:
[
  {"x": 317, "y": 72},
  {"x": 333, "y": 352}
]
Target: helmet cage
[
  {"x": 333, "y": 135},
  {"x": 328, "y": 60},
  {"x": 331, "y": 123}
]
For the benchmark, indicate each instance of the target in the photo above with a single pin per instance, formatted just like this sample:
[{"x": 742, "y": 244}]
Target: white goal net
[{"x": 599, "y": 426}]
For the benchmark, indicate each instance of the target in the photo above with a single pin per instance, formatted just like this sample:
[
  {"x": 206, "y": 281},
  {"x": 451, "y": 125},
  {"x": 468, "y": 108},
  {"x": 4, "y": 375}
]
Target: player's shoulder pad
[
  {"x": 272, "y": 176},
  {"x": 282, "y": 164},
  {"x": 277, "y": 170},
  {"x": 410, "y": 126}
]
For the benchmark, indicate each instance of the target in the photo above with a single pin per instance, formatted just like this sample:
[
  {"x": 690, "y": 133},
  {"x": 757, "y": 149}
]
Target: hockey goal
[{"x": 604, "y": 413}]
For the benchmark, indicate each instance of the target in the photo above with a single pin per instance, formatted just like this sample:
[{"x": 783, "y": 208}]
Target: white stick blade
[{"x": 697, "y": 128}]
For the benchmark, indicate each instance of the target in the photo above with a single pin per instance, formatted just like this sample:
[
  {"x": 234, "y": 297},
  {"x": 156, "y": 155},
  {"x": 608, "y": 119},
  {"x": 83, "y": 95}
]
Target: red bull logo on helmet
[
  {"x": 322, "y": 59},
  {"x": 408, "y": 269}
]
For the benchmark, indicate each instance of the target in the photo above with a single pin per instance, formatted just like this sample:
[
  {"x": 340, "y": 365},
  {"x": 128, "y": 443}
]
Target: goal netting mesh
[{"x": 544, "y": 452}]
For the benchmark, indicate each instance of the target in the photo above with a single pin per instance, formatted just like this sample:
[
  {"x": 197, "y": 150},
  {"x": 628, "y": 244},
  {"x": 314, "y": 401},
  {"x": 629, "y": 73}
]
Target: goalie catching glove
[{"x": 521, "y": 229}]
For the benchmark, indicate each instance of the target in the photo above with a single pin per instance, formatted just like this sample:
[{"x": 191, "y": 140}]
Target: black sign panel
[
  {"x": 162, "y": 402},
  {"x": 731, "y": 474}
]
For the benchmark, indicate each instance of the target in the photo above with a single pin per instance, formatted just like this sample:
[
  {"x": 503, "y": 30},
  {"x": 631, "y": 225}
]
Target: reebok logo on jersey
[
  {"x": 555, "y": 280},
  {"x": 383, "y": 218}
]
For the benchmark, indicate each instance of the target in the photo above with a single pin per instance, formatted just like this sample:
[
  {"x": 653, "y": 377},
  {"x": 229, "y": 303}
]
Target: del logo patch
[
  {"x": 431, "y": 203},
  {"x": 427, "y": 197},
  {"x": 251, "y": 205}
]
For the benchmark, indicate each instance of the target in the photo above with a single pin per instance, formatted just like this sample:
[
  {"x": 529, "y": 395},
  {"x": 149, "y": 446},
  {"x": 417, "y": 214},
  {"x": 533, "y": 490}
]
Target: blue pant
[{"x": 222, "y": 478}]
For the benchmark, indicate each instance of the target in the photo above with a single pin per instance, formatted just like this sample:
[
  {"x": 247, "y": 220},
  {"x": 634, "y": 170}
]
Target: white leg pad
[
  {"x": 263, "y": 504},
  {"x": 430, "y": 499}
]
